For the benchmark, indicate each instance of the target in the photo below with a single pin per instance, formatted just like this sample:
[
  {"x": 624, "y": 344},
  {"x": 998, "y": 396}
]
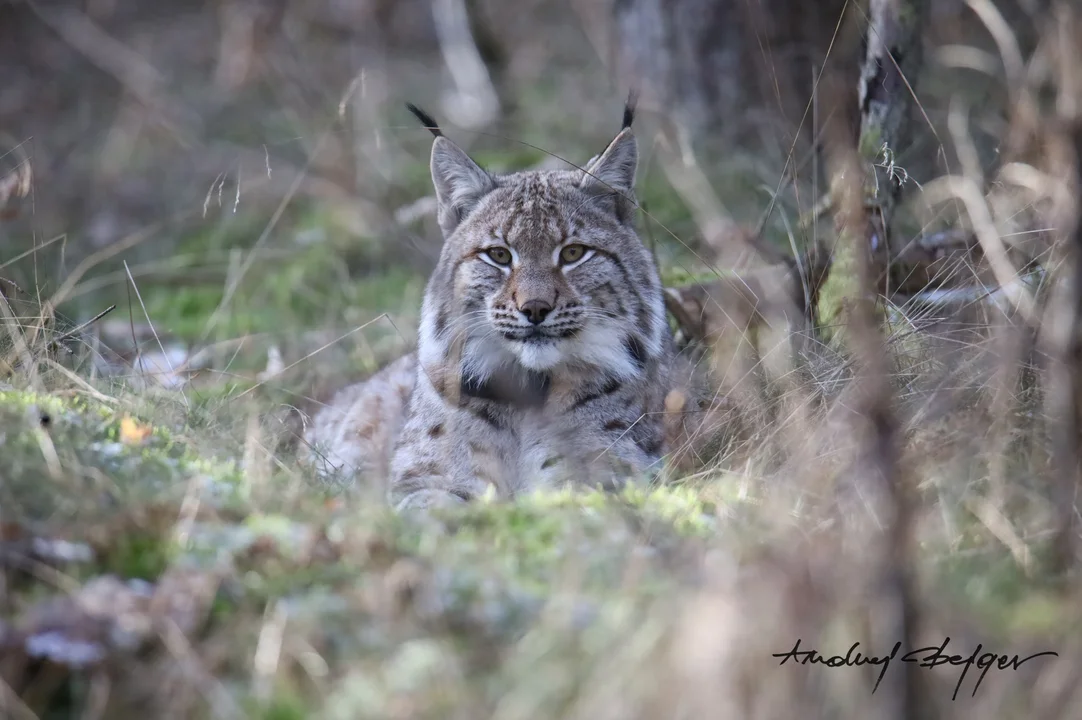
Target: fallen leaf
[{"x": 132, "y": 433}]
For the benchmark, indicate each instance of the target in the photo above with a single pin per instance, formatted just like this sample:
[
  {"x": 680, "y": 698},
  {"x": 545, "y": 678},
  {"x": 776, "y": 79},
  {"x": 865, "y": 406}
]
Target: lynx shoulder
[{"x": 350, "y": 439}]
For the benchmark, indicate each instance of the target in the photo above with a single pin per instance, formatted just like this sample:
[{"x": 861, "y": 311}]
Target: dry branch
[
  {"x": 1063, "y": 396},
  {"x": 876, "y": 468}
]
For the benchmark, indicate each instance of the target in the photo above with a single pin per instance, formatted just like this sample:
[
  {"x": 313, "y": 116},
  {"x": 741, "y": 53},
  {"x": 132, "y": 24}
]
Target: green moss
[
  {"x": 68, "y": 456},
  {"x": 143, "y": 554},
  {"x": 680, "y": 276},
  {"x": 838, "y": 292},
  {"x": 871, "y": 142}
]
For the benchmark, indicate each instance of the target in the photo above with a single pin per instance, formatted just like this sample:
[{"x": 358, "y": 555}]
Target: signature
[{"x": 927, "y": 657}]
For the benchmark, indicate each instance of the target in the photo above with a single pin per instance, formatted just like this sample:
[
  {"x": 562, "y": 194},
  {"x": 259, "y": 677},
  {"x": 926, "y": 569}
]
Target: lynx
[{"x": 544, "y": 354}]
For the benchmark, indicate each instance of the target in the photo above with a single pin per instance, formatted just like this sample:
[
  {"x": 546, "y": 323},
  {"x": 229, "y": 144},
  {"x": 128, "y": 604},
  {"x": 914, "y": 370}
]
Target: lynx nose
[{"x": 535, "y": 310}]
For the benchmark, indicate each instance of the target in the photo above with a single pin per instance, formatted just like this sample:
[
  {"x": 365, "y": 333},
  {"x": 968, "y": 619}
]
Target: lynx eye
[
  {"x": 572, "y": 253},
  {"x": 499, "y": 255}
]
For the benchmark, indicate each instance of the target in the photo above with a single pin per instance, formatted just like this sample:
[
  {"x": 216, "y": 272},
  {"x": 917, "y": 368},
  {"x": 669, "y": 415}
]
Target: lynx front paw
[{"x": 427, "y": 499}]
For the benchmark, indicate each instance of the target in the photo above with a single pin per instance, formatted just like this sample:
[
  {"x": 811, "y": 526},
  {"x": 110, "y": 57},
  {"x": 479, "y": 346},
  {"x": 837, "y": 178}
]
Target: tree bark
[
  {"x": 892, "y": 61},
  {"x": 726, "y": 68},
  {"x": 1063, "y": 394}
]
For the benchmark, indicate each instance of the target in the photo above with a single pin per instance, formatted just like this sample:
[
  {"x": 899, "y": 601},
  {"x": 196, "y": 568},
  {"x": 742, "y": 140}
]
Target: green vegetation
[
  {"x": 141, "y": 504},
  {"x": 371, "y": 610}
]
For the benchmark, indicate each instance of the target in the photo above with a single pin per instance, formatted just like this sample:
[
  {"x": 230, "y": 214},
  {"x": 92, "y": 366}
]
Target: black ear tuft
[
  {"x": 629, "y": 108},
  {"x": 426, "y": 120}
]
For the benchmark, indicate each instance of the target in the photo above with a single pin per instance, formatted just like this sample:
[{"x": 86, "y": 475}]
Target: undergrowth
[{"x": 164, "y": 539}]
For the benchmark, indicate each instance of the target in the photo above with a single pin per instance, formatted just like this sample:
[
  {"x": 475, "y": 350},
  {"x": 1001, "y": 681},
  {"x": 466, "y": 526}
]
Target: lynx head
[{"x": 541, "y": 270}]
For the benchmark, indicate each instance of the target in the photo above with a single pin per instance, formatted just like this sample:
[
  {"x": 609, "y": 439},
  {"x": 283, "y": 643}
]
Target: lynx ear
[
  {"x": 616, "y": 166},
  {"x": 460, "y": 183},
  {"x": 618, "y": 153},
  {"x": 612, "y": 175}
]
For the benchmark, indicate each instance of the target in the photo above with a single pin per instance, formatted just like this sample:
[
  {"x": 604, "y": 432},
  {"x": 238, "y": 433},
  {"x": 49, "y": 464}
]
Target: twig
[
  {"x": 152, "y": 330},
  {"x": 966, "y": 190},
  {"x": 85, "y": 325},
  {"x": 314, "y": 352},
  {"x": 876, "y": 469}
]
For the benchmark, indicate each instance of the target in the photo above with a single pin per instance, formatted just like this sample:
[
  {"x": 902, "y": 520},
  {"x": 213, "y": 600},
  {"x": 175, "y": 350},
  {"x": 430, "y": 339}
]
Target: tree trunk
[
  {"x": 886, "y": 88},
  {"x": 1063, "y": 393},
  {"x": 726, "y": 68}
]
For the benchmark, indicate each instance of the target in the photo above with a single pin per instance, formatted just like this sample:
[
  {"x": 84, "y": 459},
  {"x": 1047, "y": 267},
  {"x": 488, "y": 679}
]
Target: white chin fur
[
  {"x": 599, "y": 346},
  {"x": 538, "y": 356}
]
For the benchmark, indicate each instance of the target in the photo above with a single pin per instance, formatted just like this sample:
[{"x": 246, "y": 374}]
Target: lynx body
[{"x": 544, "y": 355}]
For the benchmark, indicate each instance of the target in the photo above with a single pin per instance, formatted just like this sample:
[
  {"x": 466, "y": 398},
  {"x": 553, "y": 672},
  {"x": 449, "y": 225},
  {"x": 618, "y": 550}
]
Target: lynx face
[
  {"x": 542, "y": 270},
  {"x": 543, "y": 347}
]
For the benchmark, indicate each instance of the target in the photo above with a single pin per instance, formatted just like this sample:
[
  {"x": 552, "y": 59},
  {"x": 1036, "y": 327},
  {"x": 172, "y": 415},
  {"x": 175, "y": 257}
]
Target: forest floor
[
  {"x": 163, "y": 552},
  {"x": 160, "y": 553}
]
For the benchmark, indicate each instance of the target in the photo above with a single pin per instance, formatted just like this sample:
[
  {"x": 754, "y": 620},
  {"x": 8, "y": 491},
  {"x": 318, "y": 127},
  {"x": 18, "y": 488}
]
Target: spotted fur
[
  {"x": 351, "y": 438},
  {"x": 544, "y": 353}
]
